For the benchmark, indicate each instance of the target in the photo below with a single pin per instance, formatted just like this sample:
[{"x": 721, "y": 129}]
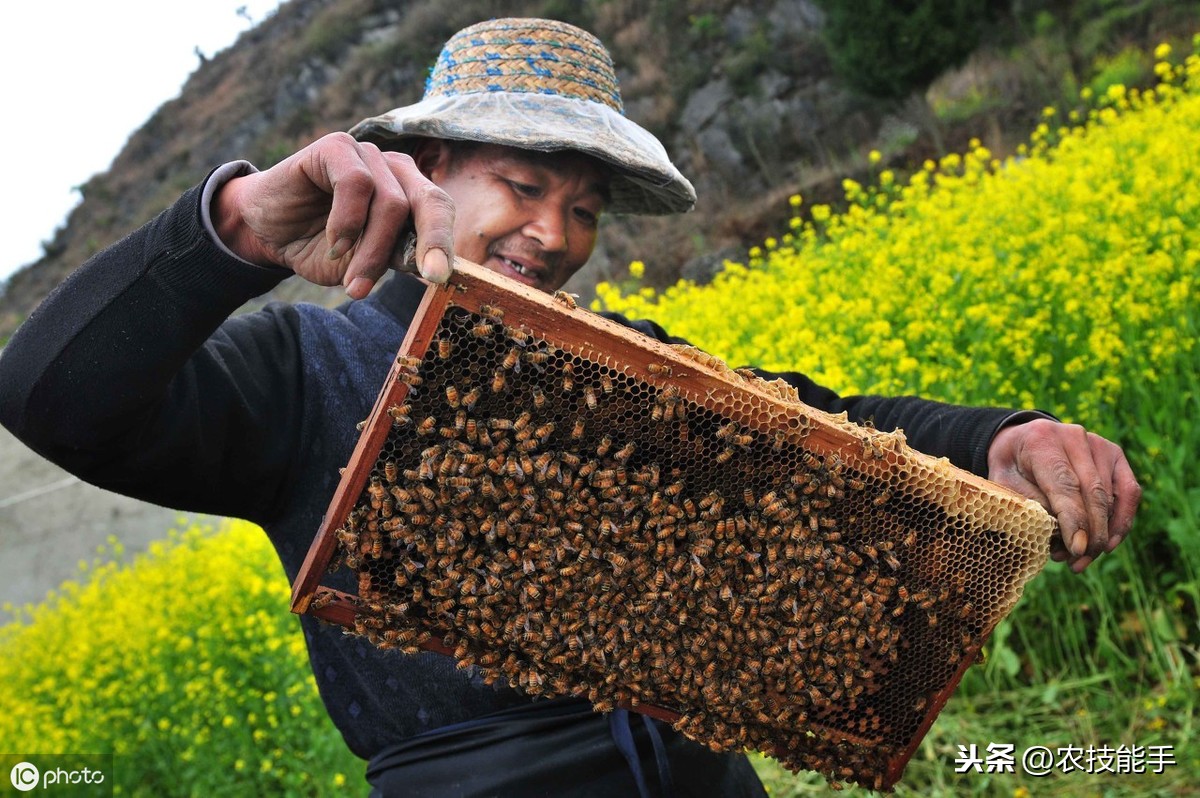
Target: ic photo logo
[
  {"x": 24, "y": 776},
  {"x": 69, "y": 773}
]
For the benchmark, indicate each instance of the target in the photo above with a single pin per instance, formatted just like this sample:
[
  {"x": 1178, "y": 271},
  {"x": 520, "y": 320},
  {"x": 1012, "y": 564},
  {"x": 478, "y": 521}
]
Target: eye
[
  {"x": 525, "y": 189},
  {"x": 587, "y": 217}
]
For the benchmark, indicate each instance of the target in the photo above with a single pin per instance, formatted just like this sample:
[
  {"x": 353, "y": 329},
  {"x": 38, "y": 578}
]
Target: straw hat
[{"x": 542, "y": 85}]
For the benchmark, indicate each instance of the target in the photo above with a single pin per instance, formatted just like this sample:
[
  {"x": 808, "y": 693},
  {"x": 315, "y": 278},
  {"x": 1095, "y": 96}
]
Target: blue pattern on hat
[{"x": 588, "y": 66}]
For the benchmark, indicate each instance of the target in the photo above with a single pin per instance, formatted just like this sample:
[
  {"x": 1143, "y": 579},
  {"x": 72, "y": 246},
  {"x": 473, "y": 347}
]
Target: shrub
[{"x": 888, "y": 49}]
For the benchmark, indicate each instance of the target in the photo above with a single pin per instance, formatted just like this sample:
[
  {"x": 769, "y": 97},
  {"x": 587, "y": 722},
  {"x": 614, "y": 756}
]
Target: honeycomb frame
[{"x": 517, "y": 500}]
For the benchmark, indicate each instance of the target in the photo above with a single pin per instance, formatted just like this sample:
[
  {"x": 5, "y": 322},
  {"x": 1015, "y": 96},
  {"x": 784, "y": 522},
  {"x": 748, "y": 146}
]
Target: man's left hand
[{"x": 1081, "y": 478}]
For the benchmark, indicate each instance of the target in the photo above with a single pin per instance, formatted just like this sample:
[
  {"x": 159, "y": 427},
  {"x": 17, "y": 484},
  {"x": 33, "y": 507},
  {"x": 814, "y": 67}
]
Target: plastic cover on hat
[{"x": 644, "y": 179}]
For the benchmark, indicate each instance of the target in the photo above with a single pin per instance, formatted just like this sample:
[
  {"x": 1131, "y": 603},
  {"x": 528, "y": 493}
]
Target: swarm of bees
[{"x": 572, "y": 530}]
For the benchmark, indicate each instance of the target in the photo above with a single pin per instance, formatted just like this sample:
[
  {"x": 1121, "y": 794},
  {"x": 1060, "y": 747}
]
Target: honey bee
[
  {"x": 445, "y": 348},
  {"x": 520, "y": 335},
  {"x": 348, "y": 539},
  {"x": 537, "y": 356},
  {"x": 482, "y": 330},
  {"x": 659, "y": 369},
  {"x": 625, "y": 452},
  {"x": 411, "y": 379},
  {"x": 882, "y": 498},
  {"x": 452, "y": 395},
  {"x": 427, "y": 426},
  {"x": 492, "y": 312},
  {"x": 543, "y": 462},
  {"x": 568, "y": 382},
  {"x": 589, "y": 397},
  {"x": 606, "y": 383},
  {"x": 498, "y": 382},
  {"x": 512, "y": 359},
  {"x": 605, "y": 444},
  {"x": 725, "y": 455},
  {"x": 539, "y": 398},
  {"x": 567, "y": 299},
  {"x": 426, "y": 470},
  {"x": 470, "y": 398},
  {"x": 408, "y": 362},
  {"x": 577, "y": 431},
  {"x": 399, "y": 414}
]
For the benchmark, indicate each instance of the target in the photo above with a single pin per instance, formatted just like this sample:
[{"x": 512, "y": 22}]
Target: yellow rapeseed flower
[{"x": 186, "y": 682}]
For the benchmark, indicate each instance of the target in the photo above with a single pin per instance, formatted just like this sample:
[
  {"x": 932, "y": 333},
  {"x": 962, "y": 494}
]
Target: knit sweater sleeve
[
  {"x": 128, "y": 375},
  {"x": 960, "y": 434}
]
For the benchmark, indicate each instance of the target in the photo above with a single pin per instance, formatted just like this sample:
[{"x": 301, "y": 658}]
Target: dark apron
[{"x": 558, "y": 748}]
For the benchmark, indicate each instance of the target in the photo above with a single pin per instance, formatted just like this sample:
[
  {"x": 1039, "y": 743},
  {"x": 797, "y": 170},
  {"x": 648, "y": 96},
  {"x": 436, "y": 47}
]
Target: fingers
[
  {"x": 1087, "y": 487},
  {"x": 1080, "y": 477},
  {"x": 433, "y": 216},
  {"x": 376, "y": 197},
  {"x": 1127, "y": 494},
  {"x": 383, "y": 220}
]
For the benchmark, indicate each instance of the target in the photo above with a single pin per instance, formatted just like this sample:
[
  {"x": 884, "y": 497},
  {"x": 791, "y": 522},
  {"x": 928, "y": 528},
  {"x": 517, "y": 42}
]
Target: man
[{"x": 131, "y": 375}]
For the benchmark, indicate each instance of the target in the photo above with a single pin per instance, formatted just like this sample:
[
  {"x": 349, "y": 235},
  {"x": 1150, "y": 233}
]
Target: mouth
[{"x": 520, "y": 271}]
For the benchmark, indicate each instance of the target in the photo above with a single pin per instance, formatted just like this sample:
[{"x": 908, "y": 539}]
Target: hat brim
[{"x": 644, "y": 179}]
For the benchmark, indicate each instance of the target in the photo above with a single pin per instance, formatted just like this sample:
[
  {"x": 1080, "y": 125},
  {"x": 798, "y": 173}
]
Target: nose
[{"x": 548, "y": 226}]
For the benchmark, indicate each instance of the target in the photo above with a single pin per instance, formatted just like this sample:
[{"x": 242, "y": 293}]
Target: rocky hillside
[{"x": 742, "y": 93}]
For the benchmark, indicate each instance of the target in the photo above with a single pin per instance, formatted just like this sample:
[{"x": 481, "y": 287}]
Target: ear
[{"x": 432, "y": 157}]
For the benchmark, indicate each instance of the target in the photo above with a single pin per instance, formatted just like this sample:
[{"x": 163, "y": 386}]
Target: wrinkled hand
[
  {"x": 1083, "y": 479},
  {"x": 335, "y": 213}
]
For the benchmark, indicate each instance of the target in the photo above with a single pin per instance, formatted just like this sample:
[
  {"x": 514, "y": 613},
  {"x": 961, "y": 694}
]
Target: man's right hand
[{"x": 335, "y": 213}]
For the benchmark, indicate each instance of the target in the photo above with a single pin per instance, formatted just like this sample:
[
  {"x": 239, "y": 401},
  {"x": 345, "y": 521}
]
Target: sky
[{"x": 76, "y": 79}]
